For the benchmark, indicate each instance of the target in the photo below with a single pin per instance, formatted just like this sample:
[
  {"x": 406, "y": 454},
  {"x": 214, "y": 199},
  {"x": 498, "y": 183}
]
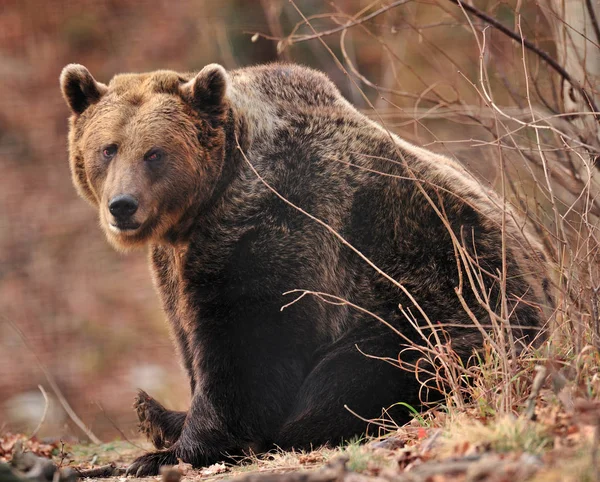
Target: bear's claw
[{"x": 150, "y": 464}]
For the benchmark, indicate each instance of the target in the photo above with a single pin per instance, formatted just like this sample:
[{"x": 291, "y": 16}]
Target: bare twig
[
  {"x": 478, "y": 13},
  {"x": 530, "y": 46},
  {"x": 116, "y": 427},
  {"x": 46, "y": 404},
  {"x": 538, "y": 382},
  {"x": 109, "y": 470},
  {"x": 289, "y": 41},
  {"x": 593, "y": 18},
  {"x": 52, "y": 382}
]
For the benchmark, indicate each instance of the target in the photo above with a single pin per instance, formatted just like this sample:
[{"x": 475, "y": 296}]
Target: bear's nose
[{"x": 123, "y": 207}]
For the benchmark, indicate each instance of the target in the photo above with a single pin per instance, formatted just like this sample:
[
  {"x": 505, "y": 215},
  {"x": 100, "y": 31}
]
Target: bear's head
[{"x": 146, "y": 149}]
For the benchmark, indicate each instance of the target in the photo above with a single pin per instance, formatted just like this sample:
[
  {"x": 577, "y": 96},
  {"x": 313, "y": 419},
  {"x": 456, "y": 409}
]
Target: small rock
[{"x": 170, "y": 474}]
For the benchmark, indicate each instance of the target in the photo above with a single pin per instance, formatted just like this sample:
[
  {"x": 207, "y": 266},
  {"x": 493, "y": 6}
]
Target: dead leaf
[
  {"x": 310, "y": 458},
  {"x": 8, "y": 441},
  {"x": 183, "y": 467},
  {"x": 214, "y": 469}
]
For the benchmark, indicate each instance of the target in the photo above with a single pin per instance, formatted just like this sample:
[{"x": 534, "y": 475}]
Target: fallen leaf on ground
[
  {"x": 214, "y": 469},
  {"x": 8, "y": 441},
  {"x": 182, "y": 467}
]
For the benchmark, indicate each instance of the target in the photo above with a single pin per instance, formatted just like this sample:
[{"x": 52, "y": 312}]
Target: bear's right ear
[
  {"x": 207, "y": 90},
  {"x": 79, "y": 88}
]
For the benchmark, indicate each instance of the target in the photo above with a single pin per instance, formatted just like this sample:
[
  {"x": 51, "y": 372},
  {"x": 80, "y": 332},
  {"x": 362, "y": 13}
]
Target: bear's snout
[{"x": 123, "y": 207}]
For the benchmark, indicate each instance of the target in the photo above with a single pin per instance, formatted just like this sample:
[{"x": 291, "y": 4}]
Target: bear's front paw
[
  {"x": 152, "y": 416},
  {"x": 151, "y": 463}
]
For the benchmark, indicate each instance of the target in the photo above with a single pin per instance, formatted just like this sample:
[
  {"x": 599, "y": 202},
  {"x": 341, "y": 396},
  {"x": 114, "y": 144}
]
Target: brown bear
[{"x": 251, "y": 183}]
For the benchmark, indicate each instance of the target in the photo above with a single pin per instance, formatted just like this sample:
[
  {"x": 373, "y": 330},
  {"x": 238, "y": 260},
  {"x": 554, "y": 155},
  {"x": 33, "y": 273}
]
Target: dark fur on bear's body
[{"x": 262, "y": 376}]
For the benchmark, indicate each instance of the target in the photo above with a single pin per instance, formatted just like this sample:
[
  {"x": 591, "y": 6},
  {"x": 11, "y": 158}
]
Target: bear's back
[
  {"x": 320, "y": 152},
  {"x": 291, "y": 84}
]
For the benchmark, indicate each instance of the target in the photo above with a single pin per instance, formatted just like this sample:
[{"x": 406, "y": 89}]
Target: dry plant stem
[
  {"x": 42, "y": 420},
  {"x": 540, "y": 377},
  {"x": 536, "y": 125},
  {"x": 560, "y": 234},
  {"x": 414, "y": 178},
  {"x": 289, "y": 41},
  {"x": 59, "y": 395},
  {"x": 429, "y": 348},
  {"x": 429, "y": 183},
  {"x": 116, "y": 427},
  {"x": 510, "y": 135},
  {"x": 593, "y": 18},
  {"x": 504, "y": 315},
  {"x": 392, "y": 55},
  {"x": 291, "y": 34},
  {"x": 527, "y": 44},
  {"x": 272, "y": 11},
  {"x": 478, "y": 13},
  {"x": 596, "y": 316},
  {"x": 336, "y": 300},
  {"x": 585, "y": 191},
  {"x": 385, "y": 424},
  {"x": 488, "y": 99}
]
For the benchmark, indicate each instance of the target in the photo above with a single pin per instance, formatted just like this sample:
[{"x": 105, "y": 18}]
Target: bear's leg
[
  {"x": 204, "y": 440},
  {"x": 345, "y": 377},
  {"x": 161, "y": 426}
]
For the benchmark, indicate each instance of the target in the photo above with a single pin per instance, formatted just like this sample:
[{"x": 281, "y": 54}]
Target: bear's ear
[
  {"x": 79, "y": 88},
  {"x": 207, "y": 90}
]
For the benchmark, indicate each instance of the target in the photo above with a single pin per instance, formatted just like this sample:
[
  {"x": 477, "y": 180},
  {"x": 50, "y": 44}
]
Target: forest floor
[{"x": 558, "y": 446}]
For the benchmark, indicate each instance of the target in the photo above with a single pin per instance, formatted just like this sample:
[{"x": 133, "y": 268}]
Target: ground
[{"x": 557, "y": 446}]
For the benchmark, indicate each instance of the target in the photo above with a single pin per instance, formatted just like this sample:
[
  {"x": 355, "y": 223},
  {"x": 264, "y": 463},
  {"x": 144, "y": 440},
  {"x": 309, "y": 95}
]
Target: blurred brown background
[{"x": 89, "y": 315}]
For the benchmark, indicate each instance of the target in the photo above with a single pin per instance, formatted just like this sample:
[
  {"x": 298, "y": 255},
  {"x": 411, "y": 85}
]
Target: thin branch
[
  {"x": 52, "y": 382},
  {"x": 42, "y": 420},
  {"x": 483, "y": 16},
  {"x": 530, "y": 46},
  {"x": 593, "y": 18},
  {"x": 566, "y": 25},
  {"x": 345, "y": 26},
  {"x": 116, "y": 427},
  {"x": 103, "y": 471}
]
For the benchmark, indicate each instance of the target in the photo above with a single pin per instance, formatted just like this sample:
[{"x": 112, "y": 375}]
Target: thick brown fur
[{"x": 224, "y": 249}]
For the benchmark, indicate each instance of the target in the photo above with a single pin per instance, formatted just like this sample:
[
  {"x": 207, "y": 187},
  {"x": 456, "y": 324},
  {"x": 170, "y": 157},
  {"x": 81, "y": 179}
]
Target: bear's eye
[
  {"x": 154, "y": 155},
  {"x": 109, "y": 151}
]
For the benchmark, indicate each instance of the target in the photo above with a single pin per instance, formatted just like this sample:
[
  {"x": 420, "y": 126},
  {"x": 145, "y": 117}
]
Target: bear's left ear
[
  {"x": 79, "y": 88},
  {"x": 207, "y": 90}
]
